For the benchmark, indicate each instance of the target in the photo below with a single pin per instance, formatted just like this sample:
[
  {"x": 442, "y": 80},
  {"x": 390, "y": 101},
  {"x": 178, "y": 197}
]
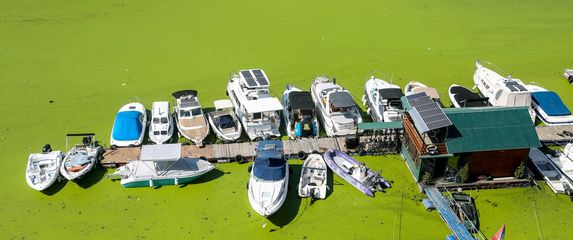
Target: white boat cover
[
  {"x": 263, "y": 105},
  {"x": 163, "y": 152},
  {"x": 223, "y": 104}
]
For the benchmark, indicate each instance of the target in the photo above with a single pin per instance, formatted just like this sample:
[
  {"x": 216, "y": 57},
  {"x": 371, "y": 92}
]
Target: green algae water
[{"x": 68, "y": 66}]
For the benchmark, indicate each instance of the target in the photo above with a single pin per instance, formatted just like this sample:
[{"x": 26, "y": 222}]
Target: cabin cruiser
[
  {"x": 417, "y": 87},
  {"x": 254, "y": 105},
  {"x": 268, "y": 184},
  {"x": 464, "y": 97},
  {"x": 502, "y": 91},
  {"x": 224, "y": 122},
  {"x": 549, "y": 107},
  {"x": 335, "y": 107},
  {"x": 298, "y": 114},
  {"x": 129, "y": 126},
  {"x": 189, "y": 116},
  {"x": 383, "y": 100},
  {"x": 161, "y": 125}
]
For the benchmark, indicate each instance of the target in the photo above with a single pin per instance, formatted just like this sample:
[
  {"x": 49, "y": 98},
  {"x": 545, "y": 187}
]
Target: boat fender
[
  {"x": 432, "y": 149},
  {"x": 176, "y": 181},
  {"x": 150, "y": 182}
]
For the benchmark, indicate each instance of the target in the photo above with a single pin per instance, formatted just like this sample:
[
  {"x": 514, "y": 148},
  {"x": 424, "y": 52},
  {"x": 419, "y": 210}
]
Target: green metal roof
[
  {"x": 490, "y": 129},
  {"x": 380, "y": 125}
]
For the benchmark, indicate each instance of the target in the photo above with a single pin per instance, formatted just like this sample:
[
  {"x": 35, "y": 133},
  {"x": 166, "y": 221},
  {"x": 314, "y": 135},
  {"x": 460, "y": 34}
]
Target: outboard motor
[
  {"x": 47, "y": 148},
  {"x": 87, "y": 140}
]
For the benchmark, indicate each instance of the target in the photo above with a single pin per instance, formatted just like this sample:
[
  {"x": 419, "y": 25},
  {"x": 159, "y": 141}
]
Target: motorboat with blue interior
[
  {"x": 161, "y": 125},
  {"x": 335, "y": 107},
  {"x": 224, "y": 121},
  {"x": 191, "y": 121},
  {"x": 464, "y": 97},
  {"x": 298, "y": 114},
  {"x": 549, "y": 107},
  {"x": 383, "y": 100},
  {"x": 255, "y": 107},
  {"x": 414, "y": 87},
  {"x": 268, "y": 184},
  {"x": 129, "y": 126},
  {"x": 161, "y": 165},
  {"x": 502, "y": 91},
  {"x": 313, "y": 178},
  {"x": 43, "y": 169},
  {"x": 82, "y": 158}
]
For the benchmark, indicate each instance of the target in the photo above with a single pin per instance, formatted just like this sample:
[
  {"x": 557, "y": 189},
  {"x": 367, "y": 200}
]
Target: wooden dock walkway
[{"x": 554, "y": 135}]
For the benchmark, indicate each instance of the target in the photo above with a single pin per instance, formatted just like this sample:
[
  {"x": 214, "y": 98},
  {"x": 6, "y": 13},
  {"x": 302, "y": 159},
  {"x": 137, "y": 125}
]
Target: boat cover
[
  {"x": 77, "y": 159},
  {"x": 342, "y": 100},
  {"x": 269, "y": 169},
  {"x": 391, "y": 93},
  {"x": 226, "y": 121},
  {"x": 127, "y": 126},
  {"x": 301, "y": 100},
  {"x": 551, "y": 103}
]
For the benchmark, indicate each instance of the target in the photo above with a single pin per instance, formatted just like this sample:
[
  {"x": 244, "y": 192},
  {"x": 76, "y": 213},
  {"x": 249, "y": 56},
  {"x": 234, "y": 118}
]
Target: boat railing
[{"x": 421, "y": 147}]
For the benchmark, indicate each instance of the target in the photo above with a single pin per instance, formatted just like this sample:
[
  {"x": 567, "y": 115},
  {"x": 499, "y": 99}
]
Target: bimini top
[
  {"x": 301, "y": 100},
  {"x": 269, "y": 163},
  {"x": 263, "y": 105},
  {"x": 161, "y": 152},
  {"x": 341, "y": 100},
  {"x": 127, "y": 126},
  {"x": 551, "y": 103},
  {"x": 254, "y": 78},
  {"x": 184, "y": 93},
  {"x": 391, "y": 93}
]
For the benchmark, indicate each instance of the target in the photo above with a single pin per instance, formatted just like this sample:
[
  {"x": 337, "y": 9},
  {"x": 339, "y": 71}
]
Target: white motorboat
[
  {"x": 191, "y": 121},
  {"x": 383, "y": 100},
  {"x": 268, "y": 184},
  {"x": 161, "y": 125},
  {"x": 568, "y": 74},
  {"x": 335, "y": 106},
  {"x": 554, "y": 178},
  {"x": 129, "y": 126},
  {"x": 161, "y": 165},
  {"x": 43, "y": 169},
  {"x": 81, "y": 158},
  {"x": 224, "y": 122},
  {"x": 464, "y": 97},
  {"x": 549, "y": 107},
  {"x": 417, "y": 87},
  {"x": 502, "y": 91},
  {"x": 313, "y": 177},
  {"x": 564, "y": 161},
  {"x": 298, "y": 114},
  {"x": 254, "y": 105}
]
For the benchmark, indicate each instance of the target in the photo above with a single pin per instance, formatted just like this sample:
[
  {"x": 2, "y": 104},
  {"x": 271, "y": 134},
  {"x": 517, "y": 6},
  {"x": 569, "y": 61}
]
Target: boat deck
[
  {"x": 550, "y": 173},
  {"x": 553, "y": 135},
  {"x": 447, "y": 214}
]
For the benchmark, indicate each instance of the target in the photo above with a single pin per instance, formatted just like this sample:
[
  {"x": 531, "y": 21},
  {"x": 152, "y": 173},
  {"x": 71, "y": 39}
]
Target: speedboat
[
  {"x": 417, "y": 87},
  {"x": 549, "y": 107},
  {"x": 224, "y": 122},
  {"x": 43, "y": 169},
  {"x": 335, "y": 106},
  {"x": 161, "y": 165},
  {"x": 189, "y": 116},
  {"x": 129, "y": 126},
  {"x": 298, "y": 113},
  {"x": 463, "y": 97},
  {"x": 268, "y": 184},
  {"x": 81, "y": 158},
  {"x": 564, "y": 161},
  {"x": 355, "y": 173},
  {"x": 313, "y": 178},
  {"x": 383, "y": 100},
  {"x": 161, "y": 125},
  {"x": 502, "y": 91},
  {"x": 568, "y": 74},
  {"x": 254, "y": 105}
]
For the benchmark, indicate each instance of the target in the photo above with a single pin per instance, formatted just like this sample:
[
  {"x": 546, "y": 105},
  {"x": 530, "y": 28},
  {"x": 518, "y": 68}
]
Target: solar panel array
[
  {"x": 515, "y": 86},
  {"x": 255, "y": 78},
  {"x": 429, "y": 111}
]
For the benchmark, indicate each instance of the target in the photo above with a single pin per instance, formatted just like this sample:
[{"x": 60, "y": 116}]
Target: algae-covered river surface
[{"x": 67, "y": 66}]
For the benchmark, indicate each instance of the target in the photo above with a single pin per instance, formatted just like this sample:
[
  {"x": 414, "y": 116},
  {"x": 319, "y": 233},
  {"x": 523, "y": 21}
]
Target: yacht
[{"x": 383, "y": 100}]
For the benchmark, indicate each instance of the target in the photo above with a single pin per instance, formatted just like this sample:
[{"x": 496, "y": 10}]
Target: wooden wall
[{"x": 495, "y": 163}]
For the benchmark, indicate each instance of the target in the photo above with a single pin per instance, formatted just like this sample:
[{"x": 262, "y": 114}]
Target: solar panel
[
  {"x": 427, "y": 114},
  {"x": 261, "y": 79},
  {"x": 249, "y": 78}
]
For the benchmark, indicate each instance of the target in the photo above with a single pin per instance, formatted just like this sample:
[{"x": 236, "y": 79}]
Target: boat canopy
[
  {"x": 127, "y": 126},
  {"x": 301, "y": 100},
  {"x": 341, "y": 100},
  {"x": 551, "y": 103},
  {"x": 183, "y": 93},
  {"x": 263, "y": 105},
  {"x": 390, "y": 93},
  {"x": 162, "y": 152}
]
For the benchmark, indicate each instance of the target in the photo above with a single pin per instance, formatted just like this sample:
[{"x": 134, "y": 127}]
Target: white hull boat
[
  {"x": 464, "y": 97},
  {"x": 564, "y": 161},
  {"x": 43, "y": 169},
  {"x": 299, "y": 114},
  {"x": 417, "y": 87},
  {"x": 383, "y": 100},
  {"x": 161, "y": 125},
  {"x": 313, "y": 178},
  {"x": 224, "y": 122},
  {"x": 335, "y": 107},
  {"x": 268, "y": 184},
  {"x": 191, "y": 121},
  {"x": 551, "y": 173},
  {"x": 129, "y": 126},
  {"x": 257, "y": 110},
  {"x": 502, "y": 91},
  {"x": 549, "y": 107},
  {"x": 81, "y": 159}
]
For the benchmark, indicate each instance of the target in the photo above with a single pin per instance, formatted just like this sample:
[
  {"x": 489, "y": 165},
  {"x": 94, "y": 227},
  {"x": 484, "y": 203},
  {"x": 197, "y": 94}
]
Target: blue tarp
[
  {"x": 127, "y": 126},
  {"x": 551, "y": 103}
]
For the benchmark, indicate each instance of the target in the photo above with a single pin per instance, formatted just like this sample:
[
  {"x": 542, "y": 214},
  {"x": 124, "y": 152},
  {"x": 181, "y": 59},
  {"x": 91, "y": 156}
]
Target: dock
[
  {"x": 555, "y": 135},
  {"x": 447, "y": 214}
]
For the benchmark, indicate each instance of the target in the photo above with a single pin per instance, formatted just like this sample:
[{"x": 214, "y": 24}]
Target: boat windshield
[
  {"x": 196, "y": 111},
  {"x": 184, "y": 113}
]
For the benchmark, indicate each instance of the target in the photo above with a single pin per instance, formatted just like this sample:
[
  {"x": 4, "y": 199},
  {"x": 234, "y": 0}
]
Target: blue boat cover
[
  {"x": 269, "y": 169},
  {"x": 127, "y": 126},
  {"x": 551, "y": 103}
]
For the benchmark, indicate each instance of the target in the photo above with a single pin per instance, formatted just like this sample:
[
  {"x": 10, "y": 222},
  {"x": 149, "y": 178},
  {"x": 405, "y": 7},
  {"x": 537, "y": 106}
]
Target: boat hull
[{"x": 157, "y": 182}]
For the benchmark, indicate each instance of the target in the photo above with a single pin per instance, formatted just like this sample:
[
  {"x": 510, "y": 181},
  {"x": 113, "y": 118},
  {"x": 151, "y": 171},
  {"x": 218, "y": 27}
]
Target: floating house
[{"x": 492, "y": 141}]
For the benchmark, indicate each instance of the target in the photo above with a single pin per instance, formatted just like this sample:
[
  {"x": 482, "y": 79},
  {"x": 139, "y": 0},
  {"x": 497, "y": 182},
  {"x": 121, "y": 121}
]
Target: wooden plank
[{"x": 553, "y": 135}]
